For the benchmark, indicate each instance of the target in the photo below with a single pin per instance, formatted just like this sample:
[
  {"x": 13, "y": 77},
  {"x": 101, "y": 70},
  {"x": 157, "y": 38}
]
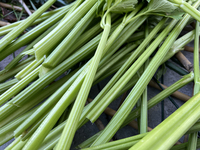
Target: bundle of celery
[{"x": 75, "y": 47}]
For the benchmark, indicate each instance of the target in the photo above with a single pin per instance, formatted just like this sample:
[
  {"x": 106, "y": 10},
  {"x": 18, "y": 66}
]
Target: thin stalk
[
  {"x": 30, "y": 46},
  {"x": 51, "y": 101},
  {"x": 34, "y": 33},
  {"x": 132, "y": 140},
  {"x": 131, "y": 100},
  {"x": 10, "y": 111},
  {"x": 5, "y": 86},
  {"x": 46, "y": 44},
  {"x": 72, "y": 123},
  {"x": 64, "y": 47},
  {"x": 12, "y": 72},
  {"x": 10, "y": 146},
  {"x": 109, "y": 97},
  {"x": 162, "y": 95},
  {"x": 22, "y": 26},
  {"x": 125, "y": 66},
  {"x": 176, "y": 94},
  {"x": 192, "y": 143},
  {"x": 144, "y": 106},
  {"x": 185, "y": 6},
  {"x": 171, "y": 129},
  {"x": 176, "y": 68},
  {"x": 28, "y": 69},
  {"x": 179, "y": 44},
  {"x": 19, "y": 86}
]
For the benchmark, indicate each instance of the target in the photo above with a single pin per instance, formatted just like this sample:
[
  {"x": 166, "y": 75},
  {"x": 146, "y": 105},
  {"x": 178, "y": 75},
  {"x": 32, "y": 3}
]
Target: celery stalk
[
  {"x": 52, "y": 39},
  {"x": 19, "y": 86},
  {"x": 130, "y": 101},
  {"x": 192, "y": 143},
  {"x": 22, "y": 26},
  {"x": 71, "y": 125},
  {"x": 63, "y": 48}
]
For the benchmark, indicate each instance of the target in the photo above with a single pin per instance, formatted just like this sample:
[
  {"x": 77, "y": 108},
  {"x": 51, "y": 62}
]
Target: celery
[
  {"x": 22, "y": 26},
  {"x": 18, "y": 86},
  {"x": 5, "y": 86},
  {"x": 46, "y": 44},
  {"x": 12, "y": 72},
  {"x": 63, "y": 48},
  {"x": 34, "y": 33},
  {"x": 47, "y": 104},
  {"x": 192, "y": 142},
  {"x": 30, "y": 46},
  {"x": 130, "y": 101},
  {"x": 74, "y": 116}
]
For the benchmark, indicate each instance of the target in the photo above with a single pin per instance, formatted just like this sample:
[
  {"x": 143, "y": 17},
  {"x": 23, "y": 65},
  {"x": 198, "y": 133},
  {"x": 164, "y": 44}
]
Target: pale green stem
[
  {"x": 6, "y": 85},
  {"x": 109, "y": 97},
  {"x": 125, "y": 66},
  {"x": 15, "y": 142},
  {"x": 28, "y": 69},
  {"x": 72, "y": 123},
  {"x": 138, "y": 89},
  {"x": 30, "y": 46},
  {"x": 18, "y": 86},
  {"x": 46, "y": 44},
  {"x": 192, "y": 142},
  {"x": 48, "y": 103},
  {"x": 22, "y": 26},
  {"x": 185, "y": 6},
  {"x": 63, "y": 48}
]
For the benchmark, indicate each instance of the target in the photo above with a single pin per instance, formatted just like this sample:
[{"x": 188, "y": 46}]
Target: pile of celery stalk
[{"x": 44, "y": 97}]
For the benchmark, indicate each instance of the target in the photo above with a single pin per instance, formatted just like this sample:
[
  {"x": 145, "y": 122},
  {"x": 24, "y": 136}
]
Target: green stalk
[
  {"x": 144, "y": 106},
  {"x": 162, "y": 95},
  {"x": 117, "y": 143},
  {"x": 52, "y": 39},
  {"x": 6, "y": 132},
  {"x": 38, "y": 85},
  {"x": 109, "y": 97},
  {"x": 39, "y": 135},
  {"x": 171, "y": 129},
  {"x": 30, "y": 46},
  {"x": 34, "y": 33},
  {"x": 192, "y": 142},
  {"x": 8, "y": 74},
  {"x": 179, "y": 44},
  {"x": 28, "y": 69},
  {"x": 185, "y": 6},
  {"x": 183, "y": 146},
  {"x": 51, "y": 101},
  {"x": 136, "y": 92},
  {"x": 63, "y": 48},
  {"x": 6, "y": 29},
  {"x": 10, "y": 111},
  {"x": 72, "y": 123},
  {"x": 5, "y": 86},
  {"x": 22, "y": 26},
  {"x": 15, "y": 142},
  {"x": 19, "y": 86}
]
